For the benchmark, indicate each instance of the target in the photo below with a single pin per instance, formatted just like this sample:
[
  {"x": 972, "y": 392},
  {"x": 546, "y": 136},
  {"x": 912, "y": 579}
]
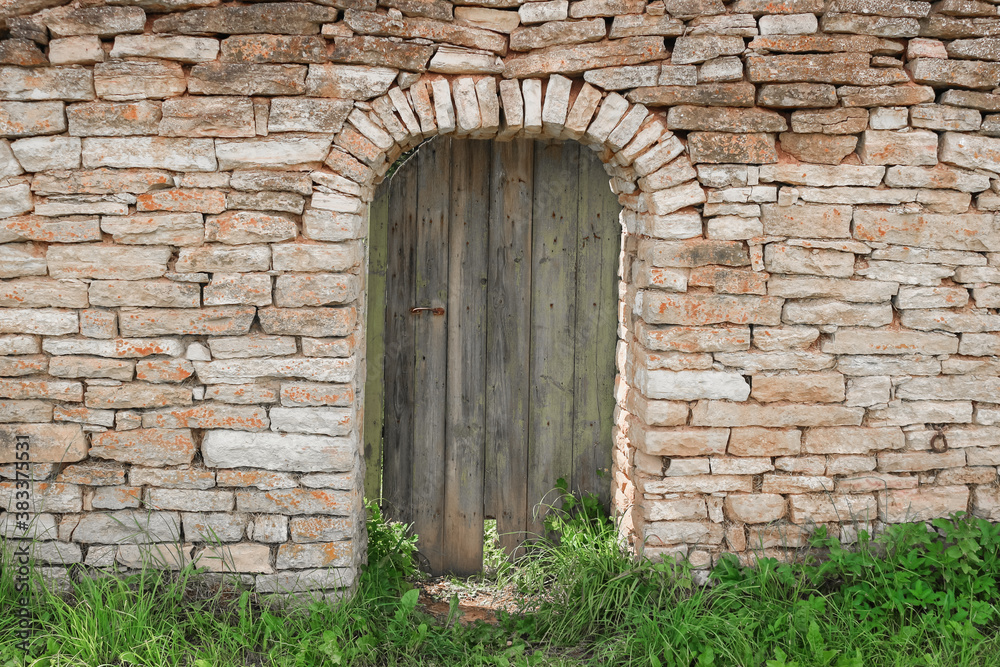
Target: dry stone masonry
[{"x": 810, "y": 275}]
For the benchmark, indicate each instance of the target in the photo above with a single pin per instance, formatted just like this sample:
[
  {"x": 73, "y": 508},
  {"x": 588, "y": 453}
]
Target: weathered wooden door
[{"x": 492, "y": 329}]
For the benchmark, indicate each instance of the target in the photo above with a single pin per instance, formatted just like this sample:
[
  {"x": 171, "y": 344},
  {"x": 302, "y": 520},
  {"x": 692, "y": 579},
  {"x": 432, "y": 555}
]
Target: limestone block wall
[{"x": 810, "y": 270}]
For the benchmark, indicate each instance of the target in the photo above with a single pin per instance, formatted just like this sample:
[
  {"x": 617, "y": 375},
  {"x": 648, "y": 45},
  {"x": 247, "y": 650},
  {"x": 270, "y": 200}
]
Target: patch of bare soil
[{"x": 478, "y": 599}]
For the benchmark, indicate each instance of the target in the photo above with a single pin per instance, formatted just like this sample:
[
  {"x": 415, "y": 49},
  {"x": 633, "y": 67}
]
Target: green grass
[{"x": 911, "y": 597}]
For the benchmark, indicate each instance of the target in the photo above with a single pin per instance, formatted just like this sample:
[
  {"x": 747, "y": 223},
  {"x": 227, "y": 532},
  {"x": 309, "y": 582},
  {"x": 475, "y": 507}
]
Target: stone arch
[{"x": 647, "y": 166}]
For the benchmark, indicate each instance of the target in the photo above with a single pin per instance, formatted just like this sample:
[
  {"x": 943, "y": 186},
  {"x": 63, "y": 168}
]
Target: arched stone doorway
[{"x": 633, "y": 143}]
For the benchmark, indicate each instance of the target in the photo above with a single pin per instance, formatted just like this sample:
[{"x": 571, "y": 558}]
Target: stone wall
[{"x": 810, "y": 267}]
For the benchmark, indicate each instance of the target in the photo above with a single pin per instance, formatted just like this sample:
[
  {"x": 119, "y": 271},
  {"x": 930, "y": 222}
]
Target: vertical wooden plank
[
  {"x": 430, "y": 337},
  {"x": 508, "y": 347},
  {"x": 378, "y": 224},
  {"x": 468, "y": 242},
  {"x": 598, "y": 245},
  {"x": 553, "y": 297},
  {"x": 399, "y": 350}
]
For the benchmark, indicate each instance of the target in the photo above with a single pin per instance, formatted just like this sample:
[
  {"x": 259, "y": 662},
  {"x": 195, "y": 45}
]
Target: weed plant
[
  {"x": 919, "y": 594},
  {"x": 916, "y": 595}
]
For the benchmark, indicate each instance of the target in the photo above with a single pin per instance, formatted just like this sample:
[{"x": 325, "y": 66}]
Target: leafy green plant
[
  {"x": 495, "y": 560},
  {"x": 579, "y": 519},
  {"x": 950, "y": 572},
  {"x": 392, "y": 550}
]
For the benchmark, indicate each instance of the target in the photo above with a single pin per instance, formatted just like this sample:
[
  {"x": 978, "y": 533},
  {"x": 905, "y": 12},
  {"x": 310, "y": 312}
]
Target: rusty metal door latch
[{"x": 432, "y": 311}]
